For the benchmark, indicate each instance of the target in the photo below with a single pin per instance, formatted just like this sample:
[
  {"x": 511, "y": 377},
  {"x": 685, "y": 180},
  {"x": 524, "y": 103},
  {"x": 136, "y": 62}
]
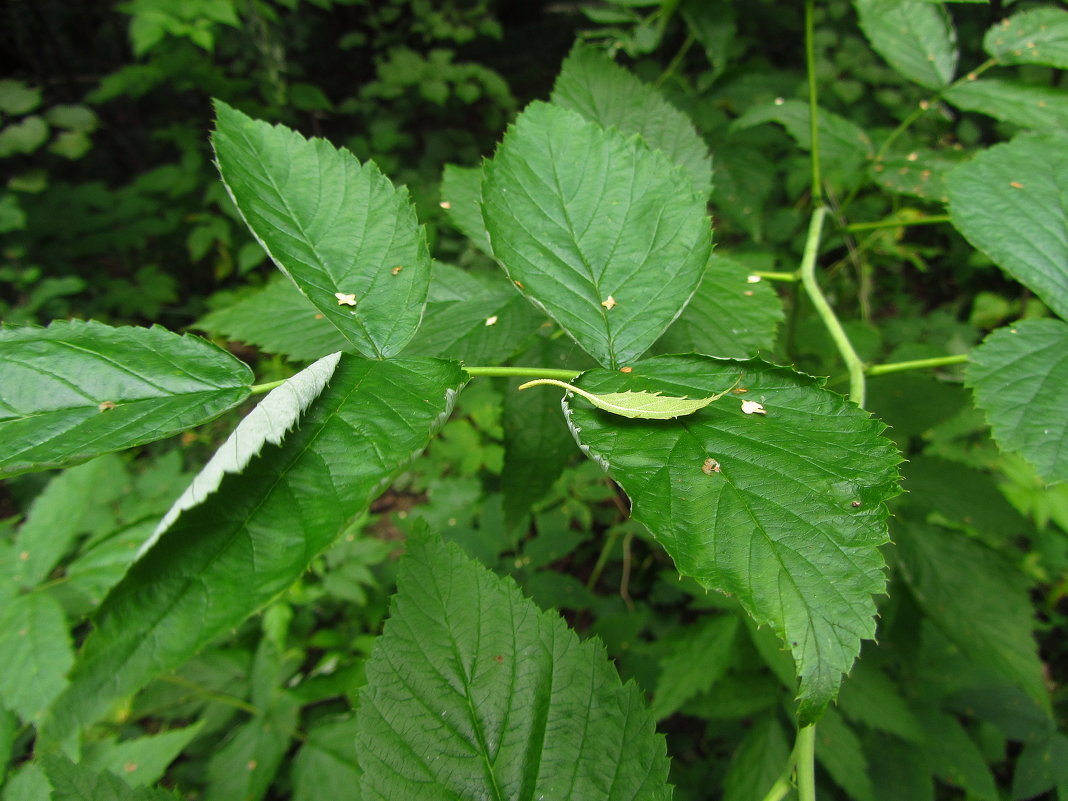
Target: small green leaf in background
[
  {"x": 276, "y": 319},
  {"x": 758, "y": 762},
  {"x": 461, "y": 193},
  {"x": 141, "y": 760},
  {"x": 1011, "y": 202},
  {"x": 72, "y": 782},
  {"x": 18, "y": 98},
  {"x": 35, "y": 653},
  {"x": 23, "y": 137},
  {"x": 1036, "y": 36},
  {"x": 869, "y": 697},
  {"x": 326, "y": 766},
  {"x": 921, "y": 172},
  {"x": 78, "y": 389},
  {"x": 790, "y": 517},
  {"x": 604, "y": 92},
  {"x": 229, "y": 554},
  {"x": 613, "y": 251},
  {"x": 840, "y": 752},
  {"x": 978, "y": 600},
  {"x": 731, "y": 315},
  {"x": 916, "y": 38},
  {"x": 1041, "y": 766},
  {"x": 247, "y": 763},
  {"x": 338, "y": 228},
  {"x": 472, "y": 692},
  {"x": 58, "y": 515},
  {"x": 953, "y": 755},
  {"x": 713, "y": 24},
  {"x": 1040, "y": 107},
  {"x": 1020, "y": 378},
  {"x": 700, "y": 658}
]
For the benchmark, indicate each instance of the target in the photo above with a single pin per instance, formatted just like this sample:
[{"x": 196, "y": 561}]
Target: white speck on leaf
[
  {"x": 609, "y": 303},
  {"x": 752, "y": 279},
  {"x": 752, "y": 407},
  {"x": 345, "y": 298},
  {"x": 491, "y": 320}
]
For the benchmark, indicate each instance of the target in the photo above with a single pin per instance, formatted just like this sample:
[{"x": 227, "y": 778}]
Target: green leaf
[
  {"x": 978, "y": 600},
  {"x": 730, "y": 316},
  {"x": 230, "y": 551},
  {"x": 899, "y": 770},
  {"x": 338, "y": 228},
  {"x": 643, "y": 405},
  {"x": 18, "y": 98},
  {"x": 78, "y": 389},
  {"x": 245, "y": 766},
  {"x": 700, "y": 658},
  {"x": 141, "y": 760},
  {"x": 604, "y": 92},
  {"x": 23, "y": 137},
  {"x": 35, "y": 653},
  {"x": 472, "y": 692},
  {"x": 57, "y": 517},
  {"x": 72, "y": 782},
  {"x": 758, "y": 762},
  {"x": 916, "y": 38},
  {"x": 1020, "y": 378},
  {"x": 783, "y": 510},
  {"x": 839, "y": 751},
  {"x": 953, "y": 755},
  {"x": 1011, "y": 202},
  {"x": 1037, "y": 36},
  {"x": 612, "y": 251},
  {"x": 461, "y": 193},
  {"x": 29, "y": 783},
  {"x": 869, "y": 697},
  {"x": 326, "y": 767},
  {"x": 276, "y": 319},
  {"x": 1041, "y": 766},
  {"x": 713, "y": 26},
  {"x": 9, "y": 730},
  {"x": 1028, "y": 106},
  {"x": 920, "y": 172}
]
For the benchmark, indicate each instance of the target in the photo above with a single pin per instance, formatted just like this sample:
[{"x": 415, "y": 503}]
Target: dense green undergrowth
[{"x": 804, "y": 268}]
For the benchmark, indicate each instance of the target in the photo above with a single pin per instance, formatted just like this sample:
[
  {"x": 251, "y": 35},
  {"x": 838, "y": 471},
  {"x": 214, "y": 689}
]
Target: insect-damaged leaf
[{"x": 790, "y": 522}]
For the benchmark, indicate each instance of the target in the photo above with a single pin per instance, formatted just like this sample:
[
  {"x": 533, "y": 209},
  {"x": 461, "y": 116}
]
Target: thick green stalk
[
  {"x": 522, "y": 372},
  {"x": 259, "y": 389},
  {"x": 934, "y": 219},
  {"x": 824, "y": 310},
  {"x": 806, "y": 763},
  {"x": 813, "y": 106}
]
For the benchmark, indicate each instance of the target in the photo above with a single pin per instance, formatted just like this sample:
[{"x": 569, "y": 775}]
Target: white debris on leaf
[
  {"x": 491, "y": 320},
  {"x": 752, "y": 279},
  {"x": 752, "y": 407},
  {"x": 345, "y": 298},
  {"x": 609, "y": 303}
]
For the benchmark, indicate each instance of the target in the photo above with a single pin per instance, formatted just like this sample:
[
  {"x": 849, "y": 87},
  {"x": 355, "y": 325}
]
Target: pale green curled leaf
[
  {"x": 276, "y": 318},
  {"x": 72, "y": 782},
  {"x": 338, "y": 228},
  {"x": 641, "y": 405},
  {"x": 78, "y": 389},
  {"x": 604, "y": 92},
  {"x": 1020, "y": 378},
  {"x": 1026, "y": 105},
  {"x": 783, "y": 510},
  {"x": 977, "y": 598},
  {"x": 268, "y": 423},
  {"x": 227, "y": 556},
  {"x": 35, "y": 653},
  {"x": 916, "y": 38},
  {"x": 732, "y": 315},
  {"x": 1036, "y": 36},
  {"x": 461, "y": 196},
  {"x": 1011, "y": 202},
  {"x": 612, "y": 251},
  {"x": 473, "y": 692}
]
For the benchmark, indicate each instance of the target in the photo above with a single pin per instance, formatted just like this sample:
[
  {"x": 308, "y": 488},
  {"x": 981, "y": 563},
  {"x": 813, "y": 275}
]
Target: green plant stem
[
  {"x": 774, "y": 276},
  {"x": 259, "y": 389},
  {"x": 934, "y": 219},
  {"x": 203, "y": 692},
  {"x": 523, "y": 372},
  {"x": 916, "y": 364},
  {"x": 813, "y": 106},
  {"x": 805, "y": 750},
  {"x": 675, "y": 62},
  {"x": 602, "y": 559},
  {"x": 824, "y": 310},
  {"x": 784, "y": 784}
]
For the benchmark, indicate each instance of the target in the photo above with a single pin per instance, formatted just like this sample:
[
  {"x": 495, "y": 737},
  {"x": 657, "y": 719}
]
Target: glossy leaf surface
[
  {"x": 1039, "y": 107},
  {"x": 612, "y": 251},
  {"x": 916, "y": 38},
  {"x": 1020, "y": 378},
  {"x": 78, "y": 389},
  {"x": 473, "y": 692},
  {"x": 783, "y": 510},
  {"x": 1011, "y": 202},
  {"x": 223, "y": 558},
  {"x": 338, "y": 228}
]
